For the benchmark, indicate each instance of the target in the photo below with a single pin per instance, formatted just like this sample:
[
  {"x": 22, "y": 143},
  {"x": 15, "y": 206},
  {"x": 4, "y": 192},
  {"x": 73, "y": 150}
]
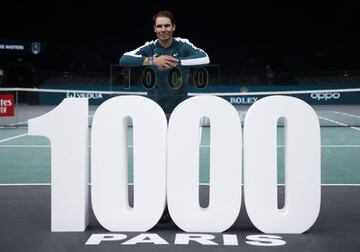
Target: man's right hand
[{"x": 165, "y": 61}]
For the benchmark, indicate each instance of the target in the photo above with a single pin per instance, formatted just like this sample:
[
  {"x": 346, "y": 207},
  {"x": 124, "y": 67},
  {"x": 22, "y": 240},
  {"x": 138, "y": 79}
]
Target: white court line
[
  {"x": 14, "y": 124},
  {"x": 345, "y": 114},
  {"x": 25, "y": 146},
  {"x": 18, "y": 123},
  {"x": 30, "y": 184},
  {"x": 202, "y": 146},
  {"x": 205, "y": 184},
  {"x": 25, "y": 122},
  {"x": 332, "y": 146},
  {"x": 339, "y": 123},
  {"x": 11, "y": 138}
]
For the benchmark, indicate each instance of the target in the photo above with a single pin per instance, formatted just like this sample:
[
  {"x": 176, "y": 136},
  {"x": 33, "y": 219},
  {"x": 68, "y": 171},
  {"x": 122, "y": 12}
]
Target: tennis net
[{"x": 334, "y": 107}]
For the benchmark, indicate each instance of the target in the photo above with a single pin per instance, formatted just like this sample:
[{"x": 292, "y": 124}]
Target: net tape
[{"x": 331, "y": 110}]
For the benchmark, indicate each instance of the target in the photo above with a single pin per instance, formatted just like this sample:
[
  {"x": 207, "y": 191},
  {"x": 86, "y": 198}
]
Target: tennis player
[{"x": 163, "y": 54}]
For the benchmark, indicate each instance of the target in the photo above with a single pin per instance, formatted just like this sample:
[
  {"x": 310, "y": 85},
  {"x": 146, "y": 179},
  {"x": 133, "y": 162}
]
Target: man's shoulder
[
  {"x": 182, "y": 40},
  {"x": 152, "y": 42}
]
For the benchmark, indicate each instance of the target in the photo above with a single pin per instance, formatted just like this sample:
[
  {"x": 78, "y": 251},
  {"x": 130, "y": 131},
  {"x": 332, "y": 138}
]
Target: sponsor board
[
  {"x": 90, "y": 96},
  {"x": 7, "y": 105},
  {"x": 325, "y": 96},
  {"x": 21, "y": 47},
  {"x": 95, "y": 98},
  {"x": 237, "y": 100}
]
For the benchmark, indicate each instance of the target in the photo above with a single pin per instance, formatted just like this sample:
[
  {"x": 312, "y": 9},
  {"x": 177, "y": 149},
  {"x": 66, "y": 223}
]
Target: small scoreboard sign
[{"x": 6, "y": 105}]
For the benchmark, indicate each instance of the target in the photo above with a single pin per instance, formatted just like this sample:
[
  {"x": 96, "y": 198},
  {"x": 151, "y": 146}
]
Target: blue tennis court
[{"x": 26, "y": 159}]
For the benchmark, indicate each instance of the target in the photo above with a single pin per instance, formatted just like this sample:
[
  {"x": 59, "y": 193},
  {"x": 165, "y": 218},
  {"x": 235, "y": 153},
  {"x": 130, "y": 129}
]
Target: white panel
[
  {"x": 225, "y": 165},
  {"x": 67, "y": 128},
  {"x": 109, "y": 164},
  {"x": 302, "y": 165}
]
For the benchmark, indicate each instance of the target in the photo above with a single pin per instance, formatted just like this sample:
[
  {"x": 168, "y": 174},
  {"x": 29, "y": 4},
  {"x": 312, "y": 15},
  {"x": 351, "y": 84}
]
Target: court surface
[{"x": 25, "y": 198}]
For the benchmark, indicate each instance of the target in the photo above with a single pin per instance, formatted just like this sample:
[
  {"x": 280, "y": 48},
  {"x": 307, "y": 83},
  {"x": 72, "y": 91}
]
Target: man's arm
[
  {"x": 194, "y": 56},
  {"x": 137, "y": 57}
]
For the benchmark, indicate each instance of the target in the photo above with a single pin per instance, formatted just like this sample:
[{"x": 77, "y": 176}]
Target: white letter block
[
  {"x": 225, "y": 165},
  {"x": 67, "y": 128},
  {"x": 302, "y": 165},
  {"x": 109, "y": 159}
]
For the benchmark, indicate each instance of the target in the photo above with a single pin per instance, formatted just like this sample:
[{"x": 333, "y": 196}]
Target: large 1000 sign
[{"x": 166, "y": 164}]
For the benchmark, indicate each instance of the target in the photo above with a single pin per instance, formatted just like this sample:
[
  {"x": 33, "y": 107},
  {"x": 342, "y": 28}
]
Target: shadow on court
[{"x": 25, "y": 226}]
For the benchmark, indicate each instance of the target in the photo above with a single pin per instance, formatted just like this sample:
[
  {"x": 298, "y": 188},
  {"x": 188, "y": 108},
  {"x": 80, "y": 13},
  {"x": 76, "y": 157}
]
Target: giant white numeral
[
  {"x": 302, "y": 165},
  {"x": 67, "y": 128},
  {"x": 109, "y": 189},
  {"x": 225, "y": 165}
]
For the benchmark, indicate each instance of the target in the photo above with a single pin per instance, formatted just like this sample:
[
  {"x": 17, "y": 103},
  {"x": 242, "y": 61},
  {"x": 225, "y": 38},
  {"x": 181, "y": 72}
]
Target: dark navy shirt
[{"x": 188, "y": 55}]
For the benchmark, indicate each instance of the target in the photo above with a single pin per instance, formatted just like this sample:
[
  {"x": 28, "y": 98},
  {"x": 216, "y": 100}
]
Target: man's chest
[{"x": 175, "y": 52}]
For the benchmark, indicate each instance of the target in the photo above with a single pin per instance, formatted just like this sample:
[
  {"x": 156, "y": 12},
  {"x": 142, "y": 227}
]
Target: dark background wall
[{"x": 245, "y": 36}]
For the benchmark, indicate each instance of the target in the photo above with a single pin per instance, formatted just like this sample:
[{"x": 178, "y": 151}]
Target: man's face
[{"x": 163, "y": 28}]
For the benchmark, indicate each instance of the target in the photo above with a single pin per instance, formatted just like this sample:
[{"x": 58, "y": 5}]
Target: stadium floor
[{"x": 25, "y": 226}]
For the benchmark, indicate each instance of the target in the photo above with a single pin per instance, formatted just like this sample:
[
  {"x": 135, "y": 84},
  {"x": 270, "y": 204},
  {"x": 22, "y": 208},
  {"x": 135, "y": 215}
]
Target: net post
[{"x": 16, "y": 106}]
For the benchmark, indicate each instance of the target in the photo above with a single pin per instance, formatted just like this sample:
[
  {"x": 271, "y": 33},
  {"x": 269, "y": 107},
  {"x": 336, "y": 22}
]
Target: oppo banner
[{"x": 314, "y": 98}]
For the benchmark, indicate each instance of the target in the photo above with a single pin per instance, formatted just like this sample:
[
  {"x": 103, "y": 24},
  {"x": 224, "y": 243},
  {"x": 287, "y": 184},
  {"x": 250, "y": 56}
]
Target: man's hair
[{"x": 164, "y": 13}]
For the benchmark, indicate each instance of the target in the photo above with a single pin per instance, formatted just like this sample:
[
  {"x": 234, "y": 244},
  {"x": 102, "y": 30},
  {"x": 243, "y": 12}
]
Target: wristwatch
[{"x": 151, "y": 60}]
